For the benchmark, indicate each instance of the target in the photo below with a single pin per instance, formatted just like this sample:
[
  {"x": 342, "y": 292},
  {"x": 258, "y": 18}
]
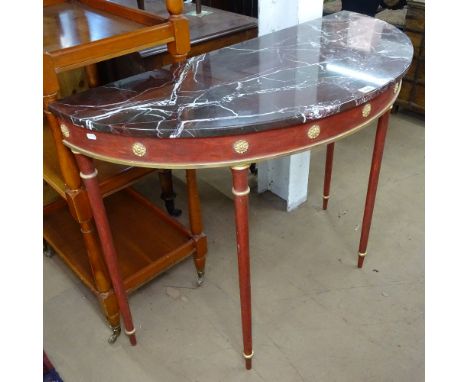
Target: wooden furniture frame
[
  {"x": 221, "y": 151},
  {"x": 82, "y": 251},
  {"x": 413, "y": 86}
]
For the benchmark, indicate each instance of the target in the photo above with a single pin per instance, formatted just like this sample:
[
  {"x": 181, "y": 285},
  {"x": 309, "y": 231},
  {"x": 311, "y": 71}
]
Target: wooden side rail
[
  {"x": 137, "y": 15},
  {"x": 111, "y": 47},
  {"x": 133, "y": 14}
]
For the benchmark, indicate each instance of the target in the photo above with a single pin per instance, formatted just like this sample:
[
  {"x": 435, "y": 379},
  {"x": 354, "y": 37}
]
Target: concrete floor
[{"x": 316, "y": 317}]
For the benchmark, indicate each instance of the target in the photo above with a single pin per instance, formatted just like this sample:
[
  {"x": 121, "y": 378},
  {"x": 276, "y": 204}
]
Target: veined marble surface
[{"x": 292, "y": 76}]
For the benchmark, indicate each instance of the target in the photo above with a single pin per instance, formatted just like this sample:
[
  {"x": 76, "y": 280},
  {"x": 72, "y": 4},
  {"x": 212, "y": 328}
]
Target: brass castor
[
  {"x": 115, "y": 333},
  {"x": 200, "y": 277},
  {"x": 47, "y": 250}
]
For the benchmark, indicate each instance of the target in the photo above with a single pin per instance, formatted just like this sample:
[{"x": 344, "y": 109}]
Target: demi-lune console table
[{"x": 282, "y": 93}]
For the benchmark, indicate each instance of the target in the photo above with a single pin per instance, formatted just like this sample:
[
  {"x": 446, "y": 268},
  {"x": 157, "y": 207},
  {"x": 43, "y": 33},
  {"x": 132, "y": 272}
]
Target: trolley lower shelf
[{"x": 147, "y": 240}]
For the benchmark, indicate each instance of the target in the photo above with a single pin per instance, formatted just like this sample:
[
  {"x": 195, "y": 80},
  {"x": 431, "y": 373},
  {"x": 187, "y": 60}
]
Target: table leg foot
[
  {"x": 47, "y": 250},
  {"x": 241, "y": 191},
  {"x": 131, "y": 336},
  {"x": 200, "y": 278},
  {"x": 328, "y": 173},
  {"x": 115, "y": 334},
  {"x": 377, "y": 155},
  {"x": 248, "y": 360},
  {"x": 325, "y": 202},
  {"x": 361, "y": 257}
]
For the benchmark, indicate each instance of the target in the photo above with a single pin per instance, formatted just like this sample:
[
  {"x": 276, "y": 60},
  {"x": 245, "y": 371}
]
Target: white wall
[
  {"x": 286, "y": 177},
  {"x": 309, "y": 9},
  {"x": 275, "y": 15}
]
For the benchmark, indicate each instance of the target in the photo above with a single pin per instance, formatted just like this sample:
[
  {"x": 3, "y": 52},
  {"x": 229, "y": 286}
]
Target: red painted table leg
[
  {"x": 328, "y": 173},
  {"x": 241, "y": 191},
  {"x": 372, "y": 187},
  {"x": 88, "y": 173}
]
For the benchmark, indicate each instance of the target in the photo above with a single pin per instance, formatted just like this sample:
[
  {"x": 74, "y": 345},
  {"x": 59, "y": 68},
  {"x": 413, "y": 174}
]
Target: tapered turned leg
[
  {"x": 196, "y": 225},
  {"x": 241, "y": 191},
  {"x": 105, "y": 294},
  {"x": 328, "y": 173},
  {"x": 89, "y": 175},
  {"x": 167, "y": 192},
  {"x": 77, "y": 199},
  {"x": 372, "y": 187}
]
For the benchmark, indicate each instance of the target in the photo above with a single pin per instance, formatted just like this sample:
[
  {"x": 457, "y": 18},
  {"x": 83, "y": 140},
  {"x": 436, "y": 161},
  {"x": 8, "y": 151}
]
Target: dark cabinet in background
[
  {"x": 243, "y": 7},
  {"x": 413, "y": 85}
]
